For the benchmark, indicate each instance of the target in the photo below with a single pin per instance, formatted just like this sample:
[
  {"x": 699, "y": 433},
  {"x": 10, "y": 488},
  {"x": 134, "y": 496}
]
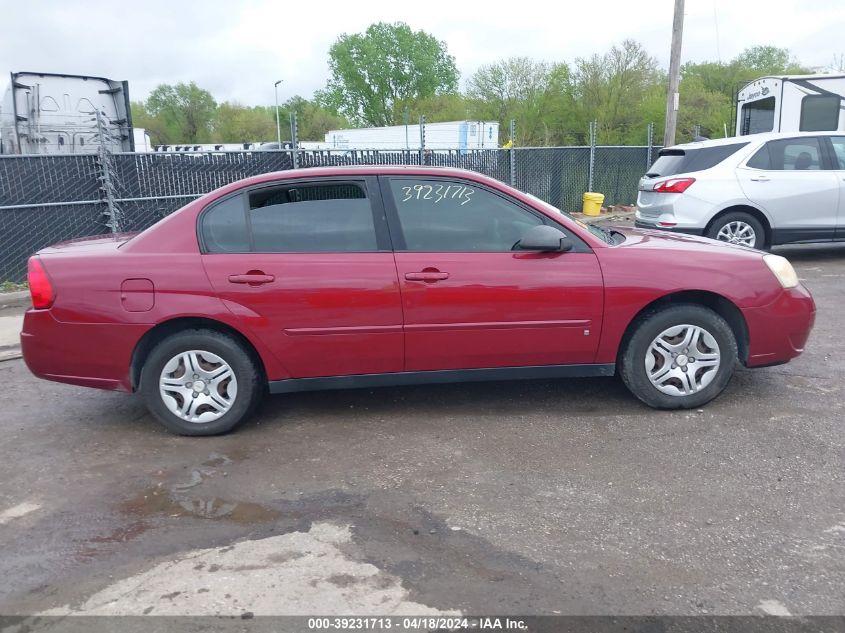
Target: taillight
[
  {"x": 39, "y": 285},
  {"x": 673, "y": 185}
]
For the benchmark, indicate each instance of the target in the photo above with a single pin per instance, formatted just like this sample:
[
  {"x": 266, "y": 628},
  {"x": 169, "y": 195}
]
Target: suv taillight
[
  {"x": 40, "y": 287},
  {"x": 673, "y": 185}
]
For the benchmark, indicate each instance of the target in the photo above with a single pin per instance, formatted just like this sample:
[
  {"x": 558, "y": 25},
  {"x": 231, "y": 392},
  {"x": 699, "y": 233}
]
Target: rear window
[{"x": 681, "y": 161}]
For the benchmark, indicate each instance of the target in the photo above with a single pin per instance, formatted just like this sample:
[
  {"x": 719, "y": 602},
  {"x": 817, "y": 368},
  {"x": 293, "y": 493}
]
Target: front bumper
[{"x": 779, "y": 331}]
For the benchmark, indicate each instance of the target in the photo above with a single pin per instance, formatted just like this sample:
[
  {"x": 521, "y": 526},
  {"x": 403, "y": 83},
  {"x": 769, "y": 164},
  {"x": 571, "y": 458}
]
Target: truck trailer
[
  {"x": 49, "y": 113},
  {"x": 791, "y": 103},
  {"x": 461, "y": 135}
]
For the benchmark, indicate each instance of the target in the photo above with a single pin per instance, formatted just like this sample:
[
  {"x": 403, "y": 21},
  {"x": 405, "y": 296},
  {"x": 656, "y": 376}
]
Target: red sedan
[{"x": 360, "y": 277}]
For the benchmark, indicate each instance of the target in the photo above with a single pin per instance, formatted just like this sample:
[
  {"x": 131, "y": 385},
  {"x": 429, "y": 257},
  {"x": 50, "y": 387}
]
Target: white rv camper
[{"x": 794, "y": 103}]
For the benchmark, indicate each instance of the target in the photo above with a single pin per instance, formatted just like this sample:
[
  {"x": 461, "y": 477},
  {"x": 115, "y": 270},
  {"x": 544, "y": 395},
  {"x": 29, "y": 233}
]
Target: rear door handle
[
  {"x": 429, "y": 276},
  {"x": 760, "y": 178},
  {"x": 253, "y": 279}
]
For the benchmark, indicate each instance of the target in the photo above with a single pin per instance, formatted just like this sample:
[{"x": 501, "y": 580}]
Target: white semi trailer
[
  {"x": 791, "y": 103},
  {"x": 461, "y": 135},
  {"x": 48, "y": 113}
]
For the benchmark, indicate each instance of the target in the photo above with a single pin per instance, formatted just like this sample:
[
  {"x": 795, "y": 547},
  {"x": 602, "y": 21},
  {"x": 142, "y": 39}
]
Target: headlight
[{"x": 782, "y": 269}]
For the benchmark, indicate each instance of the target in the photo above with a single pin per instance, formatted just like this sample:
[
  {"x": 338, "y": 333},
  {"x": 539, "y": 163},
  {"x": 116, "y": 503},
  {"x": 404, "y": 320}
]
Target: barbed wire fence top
[{"x": 46, "y": 199}]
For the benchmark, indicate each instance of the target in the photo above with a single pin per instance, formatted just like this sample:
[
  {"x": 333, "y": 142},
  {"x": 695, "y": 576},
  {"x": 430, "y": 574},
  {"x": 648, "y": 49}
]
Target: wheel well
[
  {"x": 721, "y": 306},
  {"x": 161, "y": 331},
  {"x": 742, "y": 208}
]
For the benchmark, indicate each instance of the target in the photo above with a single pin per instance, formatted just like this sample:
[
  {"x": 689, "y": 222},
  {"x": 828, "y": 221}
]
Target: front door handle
[
  {"x": 760, "y": 178},
  {"x": 253, "y": 278},
  {"x": 429, "y": 276}
]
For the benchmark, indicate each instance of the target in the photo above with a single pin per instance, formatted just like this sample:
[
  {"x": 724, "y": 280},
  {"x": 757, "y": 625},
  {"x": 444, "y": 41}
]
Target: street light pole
[{"x": 278, "y": 123}]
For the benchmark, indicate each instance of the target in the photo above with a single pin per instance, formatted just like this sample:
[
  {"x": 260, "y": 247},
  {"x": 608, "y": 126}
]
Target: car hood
[{"x": 665, "y": 240}]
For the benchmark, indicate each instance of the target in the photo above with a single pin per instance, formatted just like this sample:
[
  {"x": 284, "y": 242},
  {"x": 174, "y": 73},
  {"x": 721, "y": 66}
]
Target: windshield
[{"x": 599, "y": 232}]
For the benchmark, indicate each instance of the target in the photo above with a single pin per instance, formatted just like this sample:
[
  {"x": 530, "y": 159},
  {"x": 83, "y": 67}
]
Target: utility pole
[
  {"x": 278, "y": 123},
  {"x": 672, "y": 97}
]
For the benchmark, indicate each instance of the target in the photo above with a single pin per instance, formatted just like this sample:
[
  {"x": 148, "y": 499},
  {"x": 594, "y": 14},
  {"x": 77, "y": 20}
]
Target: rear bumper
[
  {"x": 688, "y": 231},
  {"x": 87, "y": 354},
  {"x": 779, "y": 331}
]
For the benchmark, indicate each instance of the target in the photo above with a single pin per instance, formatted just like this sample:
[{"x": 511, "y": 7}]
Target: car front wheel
[
  {"x": 200, "y": 382},
  {"x": 739, "y": 228},
  {"x": 679, "y": 357}
]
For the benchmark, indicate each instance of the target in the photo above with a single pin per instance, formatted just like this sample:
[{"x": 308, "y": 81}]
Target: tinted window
[
  {"x": 326, "y": 218},
  {"x": 450, "y": 216},
  {"x": 839, "y": 149},
  {"x": 758, "y": 116},
  {"x": 819, "y": 112},
  {"x": 224, "y": 227},
  {"x": 680, "y": 161},
  {"x": 798, "y": 154}
]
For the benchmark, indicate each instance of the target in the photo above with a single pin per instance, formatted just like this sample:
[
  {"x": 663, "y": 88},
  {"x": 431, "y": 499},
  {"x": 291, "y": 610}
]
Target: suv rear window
[{"x": 682, "y": 161}]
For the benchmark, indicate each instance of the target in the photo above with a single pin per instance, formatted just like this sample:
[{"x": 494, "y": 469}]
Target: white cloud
[{"x": 237, "y": 50}]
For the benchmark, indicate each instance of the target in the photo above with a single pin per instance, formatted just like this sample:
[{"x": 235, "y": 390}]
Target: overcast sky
[{"x": 238, "y": 49}]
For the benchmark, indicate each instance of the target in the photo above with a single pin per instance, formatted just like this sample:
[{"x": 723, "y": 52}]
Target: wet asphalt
[{"x": 557, "y": 496}]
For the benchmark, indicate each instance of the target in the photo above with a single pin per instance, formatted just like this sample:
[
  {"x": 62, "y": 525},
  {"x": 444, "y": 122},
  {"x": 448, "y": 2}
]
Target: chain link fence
[{"x": 47, "y": 199}]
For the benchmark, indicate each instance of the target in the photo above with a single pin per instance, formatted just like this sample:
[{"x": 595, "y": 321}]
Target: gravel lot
[{"x": 563, "y": 496}]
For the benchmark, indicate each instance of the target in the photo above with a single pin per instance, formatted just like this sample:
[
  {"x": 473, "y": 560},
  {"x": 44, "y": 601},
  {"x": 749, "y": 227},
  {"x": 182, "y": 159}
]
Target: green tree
[
  {"x": 522, "y": 89},
  {"x": 387, "y": 63},
  {"x": 236, "y": 123},
  {"x": 185, "y": 112},
  {"x": 612, "y": 89}
]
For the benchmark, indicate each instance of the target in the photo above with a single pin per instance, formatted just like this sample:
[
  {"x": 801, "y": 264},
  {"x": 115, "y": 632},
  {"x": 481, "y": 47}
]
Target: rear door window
[
  {"x": 681, "y": 161},
  {"x": 791, "y": 154},
  {"x": 312, "y": 218}
]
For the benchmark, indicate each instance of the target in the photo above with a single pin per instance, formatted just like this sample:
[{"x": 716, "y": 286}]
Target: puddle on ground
[{"x": 159, "y": 501}]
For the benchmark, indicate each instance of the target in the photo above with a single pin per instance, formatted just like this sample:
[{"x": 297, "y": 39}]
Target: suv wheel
[
  {"x": 200, "y": 382},
  {"x": 738, "y": 228},
  {"x": 679, "y": 357}
]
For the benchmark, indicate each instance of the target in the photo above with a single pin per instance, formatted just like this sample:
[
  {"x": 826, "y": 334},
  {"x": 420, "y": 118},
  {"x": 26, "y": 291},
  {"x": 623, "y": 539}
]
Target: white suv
[{"x": 757, "y": 191}]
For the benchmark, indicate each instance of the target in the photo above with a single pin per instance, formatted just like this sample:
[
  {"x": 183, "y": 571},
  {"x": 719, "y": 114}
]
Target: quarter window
[
  {"x": 456, "y": 217},
  {"x": 224, "y": 227},
  {"x": 305, "y": 218},
  {"x": 793, "y": 154},
  {"x": 819, "y": 112}
]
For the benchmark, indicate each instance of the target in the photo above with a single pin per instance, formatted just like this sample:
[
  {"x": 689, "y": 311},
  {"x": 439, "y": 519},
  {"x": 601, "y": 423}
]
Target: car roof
[
  {"x": 359, "y": 170},
  {"x": 748, "y": 138}
]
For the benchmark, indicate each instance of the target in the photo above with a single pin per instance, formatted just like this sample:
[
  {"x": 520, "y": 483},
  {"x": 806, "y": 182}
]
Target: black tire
[
  {"x": 633, "y": 358},
  {"x": 739, "y": 216},
  {"x": 250, "y": 383}
]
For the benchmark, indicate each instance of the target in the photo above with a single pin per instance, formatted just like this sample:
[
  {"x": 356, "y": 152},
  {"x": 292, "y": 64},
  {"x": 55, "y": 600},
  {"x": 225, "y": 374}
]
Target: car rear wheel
[
  {"x": 679, "y": 357},
  {"x": 738, "y": 228},
  {"x": 200, "y": 382}
]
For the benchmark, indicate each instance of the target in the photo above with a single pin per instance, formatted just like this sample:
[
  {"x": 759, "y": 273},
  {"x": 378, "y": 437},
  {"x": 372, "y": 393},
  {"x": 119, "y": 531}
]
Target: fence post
[
  {"x": 422, "y": 139},
  {"x": 294, "y": 139},
  {"x": 512, "y": 153},
  {"x": 107, "y": 185},
  {"x": 650, "y": 145},
  {"x": 592, "y": 154}
]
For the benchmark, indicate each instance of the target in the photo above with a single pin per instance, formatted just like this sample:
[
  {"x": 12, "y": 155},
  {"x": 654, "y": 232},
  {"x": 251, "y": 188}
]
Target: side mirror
[{"x": 544, "y": 238}]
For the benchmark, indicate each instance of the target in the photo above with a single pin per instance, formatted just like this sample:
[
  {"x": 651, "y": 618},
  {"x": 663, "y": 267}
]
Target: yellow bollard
[{"x": 592, "y": 203}]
